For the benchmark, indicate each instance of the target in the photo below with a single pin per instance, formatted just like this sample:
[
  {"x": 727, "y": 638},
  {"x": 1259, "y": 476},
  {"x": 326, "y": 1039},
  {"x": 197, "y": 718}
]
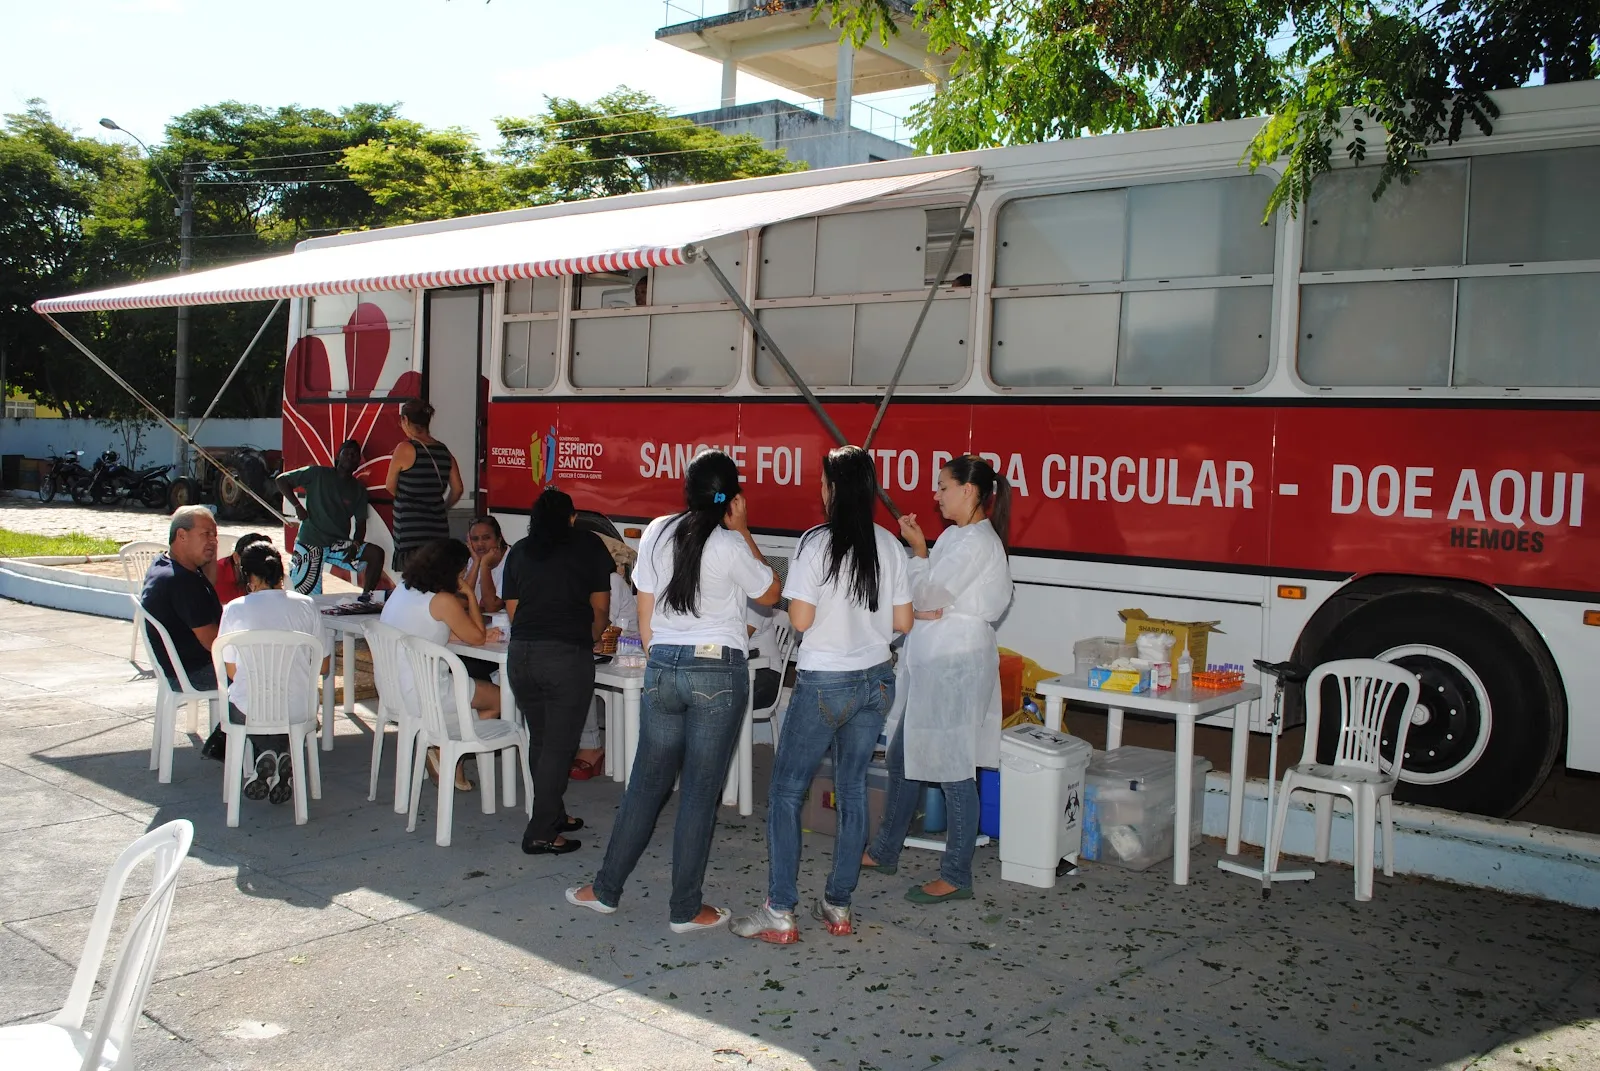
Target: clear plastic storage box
[{"x": 1130, "y": 800}]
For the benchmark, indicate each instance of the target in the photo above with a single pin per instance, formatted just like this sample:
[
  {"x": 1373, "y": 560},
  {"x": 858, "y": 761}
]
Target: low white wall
[{"x": 42, "y": 437}]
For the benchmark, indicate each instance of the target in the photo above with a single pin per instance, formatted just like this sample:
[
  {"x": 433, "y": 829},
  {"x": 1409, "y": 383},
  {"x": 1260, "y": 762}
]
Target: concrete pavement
[{"x": 348, "y": 942}]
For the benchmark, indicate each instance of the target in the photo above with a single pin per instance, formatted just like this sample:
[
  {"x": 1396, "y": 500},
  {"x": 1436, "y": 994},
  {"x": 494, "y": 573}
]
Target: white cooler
[{"x": 1041, "y": 802}]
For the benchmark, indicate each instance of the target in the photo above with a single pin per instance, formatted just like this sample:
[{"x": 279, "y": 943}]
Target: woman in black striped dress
[{"x": 425, "y": 483}]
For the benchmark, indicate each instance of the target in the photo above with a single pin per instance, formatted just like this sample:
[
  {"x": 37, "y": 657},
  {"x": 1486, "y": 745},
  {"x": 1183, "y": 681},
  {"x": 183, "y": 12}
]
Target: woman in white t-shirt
[
  {"x": 266, "y": 606},
  {"x": 695, "y": 571},
  {"x": 849, "y": 592}
]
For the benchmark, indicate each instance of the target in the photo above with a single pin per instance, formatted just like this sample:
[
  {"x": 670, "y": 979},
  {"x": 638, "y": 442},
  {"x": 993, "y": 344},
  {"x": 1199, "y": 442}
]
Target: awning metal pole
[
  {"x": 783, "y": 362},
  {"x": 195, "y": 431},
  {"x": 927, "y": 303},
  {"x": 159, "y": 415}
]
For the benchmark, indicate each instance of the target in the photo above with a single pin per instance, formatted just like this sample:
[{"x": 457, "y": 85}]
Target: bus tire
[{"x": 1491, "y": 712}]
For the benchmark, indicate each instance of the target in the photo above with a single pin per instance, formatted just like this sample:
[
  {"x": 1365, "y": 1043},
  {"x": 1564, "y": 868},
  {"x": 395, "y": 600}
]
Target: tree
[
  {"x": 1324, "y": 72},
  {"x": 623, "y": 143}
]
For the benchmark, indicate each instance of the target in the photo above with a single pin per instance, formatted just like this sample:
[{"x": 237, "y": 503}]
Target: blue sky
[{"x": 448, "y": 62}]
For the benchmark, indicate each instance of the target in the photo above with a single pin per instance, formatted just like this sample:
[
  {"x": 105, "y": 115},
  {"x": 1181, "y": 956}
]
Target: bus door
[{"x": 453, "y": 359}]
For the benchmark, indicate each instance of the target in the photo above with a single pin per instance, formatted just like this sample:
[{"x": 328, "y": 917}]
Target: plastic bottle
[
  {"x": 1185, "y": 669},
  {"x": 933, "y": 819}
]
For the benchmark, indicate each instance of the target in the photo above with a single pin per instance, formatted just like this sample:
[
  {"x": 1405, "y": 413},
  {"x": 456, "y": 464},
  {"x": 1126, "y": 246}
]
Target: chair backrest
[
  {"x": 124, "y": 995},
  {"x": 384, "y": 642},
  {"x": 1369, "y": 692},
  {"x": 165, "y": 637},
  {"x": 136, "y": 560},
  {"x": 788, "y": 641},
  {"x": 280, "y": 670},
  {"x": 441, "y": 681}
]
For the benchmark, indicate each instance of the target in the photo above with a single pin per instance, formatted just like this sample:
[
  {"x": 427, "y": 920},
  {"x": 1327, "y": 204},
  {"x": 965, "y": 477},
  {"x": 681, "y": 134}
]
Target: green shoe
[
  {"x": 917, "y": 896},
  {"x": 877, "y": 869}
]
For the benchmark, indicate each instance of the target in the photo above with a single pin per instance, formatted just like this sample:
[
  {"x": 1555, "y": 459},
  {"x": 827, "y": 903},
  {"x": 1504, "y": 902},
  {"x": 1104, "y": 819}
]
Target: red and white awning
[{"x": 569, "y": 243}]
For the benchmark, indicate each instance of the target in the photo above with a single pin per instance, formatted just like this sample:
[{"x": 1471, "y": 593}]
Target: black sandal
[
  {"x": 544, "y": 847},
  {"x": 570, "y": 824}
]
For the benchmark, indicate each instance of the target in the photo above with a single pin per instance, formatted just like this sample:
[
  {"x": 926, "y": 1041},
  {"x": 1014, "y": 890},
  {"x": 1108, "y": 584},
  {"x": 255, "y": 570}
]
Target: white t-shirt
[
  {"x": 729, "y": 575},
  {"x": 270, "y": 609},
  {"x": 845, "y": 634},
  {"x": 764, "y": 640}
]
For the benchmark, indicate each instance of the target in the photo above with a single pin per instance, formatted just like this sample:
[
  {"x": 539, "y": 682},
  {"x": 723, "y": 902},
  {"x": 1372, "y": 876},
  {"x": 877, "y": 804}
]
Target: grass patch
[{"x": 27, "y": 545}]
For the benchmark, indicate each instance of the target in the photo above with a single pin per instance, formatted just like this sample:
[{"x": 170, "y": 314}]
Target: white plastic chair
[
  {"x": 395, "y": 708},
  {"x": 455, "y": 732},
  {"x": 169, "y": 698},
  {"x": 136, "y": 560},
  {"x": 271, "y": 660},
  {"x": 788, "y": 645},
  {"x": 1368, "y": 693},
  {"x": 63, "y": 1043}
]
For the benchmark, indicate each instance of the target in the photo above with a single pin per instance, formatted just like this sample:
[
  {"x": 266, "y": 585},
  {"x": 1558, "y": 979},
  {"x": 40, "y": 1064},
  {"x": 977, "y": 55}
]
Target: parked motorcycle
[
  {"x": 151, "y": 486},
  {"x": 64, "y": 473},
  {"x": 111, "y": 481}
]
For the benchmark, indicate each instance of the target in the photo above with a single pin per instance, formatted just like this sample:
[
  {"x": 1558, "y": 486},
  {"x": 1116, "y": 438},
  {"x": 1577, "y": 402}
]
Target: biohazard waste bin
[{"x": 1041, "y": 802}]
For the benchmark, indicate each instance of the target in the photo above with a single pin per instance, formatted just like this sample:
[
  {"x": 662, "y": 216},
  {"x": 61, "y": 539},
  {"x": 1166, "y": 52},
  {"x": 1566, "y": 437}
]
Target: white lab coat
[{"x": 949, "y": 670}]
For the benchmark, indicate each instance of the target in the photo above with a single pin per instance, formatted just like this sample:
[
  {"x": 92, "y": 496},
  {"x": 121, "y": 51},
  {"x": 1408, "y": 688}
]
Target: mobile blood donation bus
[{"x": 1368, "y": 428}]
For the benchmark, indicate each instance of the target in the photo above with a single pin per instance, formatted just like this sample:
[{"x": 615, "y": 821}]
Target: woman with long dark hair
[
  {"x": 695, "y": 571},
  {"x": 558, "y": 593},
  {"x": 950, "y": 672},
  {"x": 849, "y": 592}
]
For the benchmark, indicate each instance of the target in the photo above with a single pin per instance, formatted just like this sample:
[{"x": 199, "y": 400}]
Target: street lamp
[{"x": 185, "y": 213}]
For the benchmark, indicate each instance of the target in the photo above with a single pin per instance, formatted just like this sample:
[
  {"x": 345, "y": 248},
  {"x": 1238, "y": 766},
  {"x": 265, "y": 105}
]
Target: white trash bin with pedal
[{"x": 1041, "y": 802}]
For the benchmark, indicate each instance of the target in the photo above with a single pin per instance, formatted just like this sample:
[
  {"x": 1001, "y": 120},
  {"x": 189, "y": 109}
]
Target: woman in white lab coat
[{"x": 950, "y": 673}]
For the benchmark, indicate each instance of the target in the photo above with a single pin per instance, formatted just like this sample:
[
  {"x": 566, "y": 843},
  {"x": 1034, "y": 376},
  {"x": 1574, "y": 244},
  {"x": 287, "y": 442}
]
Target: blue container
[
  {"x": 989, "y": 803},
  {"x": 933, "y": 820}
]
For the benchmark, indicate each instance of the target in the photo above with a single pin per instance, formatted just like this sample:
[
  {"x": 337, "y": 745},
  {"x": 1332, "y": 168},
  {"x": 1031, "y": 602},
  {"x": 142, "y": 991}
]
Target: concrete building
[{"x": 789, "y": 43}]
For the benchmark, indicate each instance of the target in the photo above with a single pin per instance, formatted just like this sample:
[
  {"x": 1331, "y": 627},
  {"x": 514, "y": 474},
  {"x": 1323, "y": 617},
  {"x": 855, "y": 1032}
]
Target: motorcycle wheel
[
  {"x": 81, "y": 493},
  {"x": 154, "y": 494},
  {"x": 184, "y": 491},
  {"x": 47, "y": 487}
]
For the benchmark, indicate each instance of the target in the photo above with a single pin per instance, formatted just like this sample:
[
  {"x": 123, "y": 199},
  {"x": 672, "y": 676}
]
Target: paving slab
[{"x": 34, "y": 981}]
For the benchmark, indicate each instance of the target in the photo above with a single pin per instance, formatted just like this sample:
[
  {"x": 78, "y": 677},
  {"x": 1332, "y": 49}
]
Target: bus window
[
  {"x": 532, "y": 295},
  {"x": 1377, "y": 334},
  {"x": 882, "y": 328},
  {"x": 610, "y": 351},
  {"x": 788, "y": 259},
  {"x": 611, "y": 289},
  {"x": 817, "y": 341},
  {"x": 1528, "y": 331},
  {"x": 529, "y": 357},
  {"x": 694, "y": 349},
  {"x": 1181, "y": 274},
  {"x": 1419, "y": 224},
  {"x": 693, "y": 284},
  {"x": 360, "y": 332},
  {"x": 1535, "y": 206}
]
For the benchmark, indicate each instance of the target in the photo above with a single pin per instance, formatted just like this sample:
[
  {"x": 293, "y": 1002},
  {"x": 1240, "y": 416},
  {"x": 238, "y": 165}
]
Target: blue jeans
[
  {"x": 961, "y": 807},
  {"x": 844, "y": 710},
  {"x": 689, "y": 720}
]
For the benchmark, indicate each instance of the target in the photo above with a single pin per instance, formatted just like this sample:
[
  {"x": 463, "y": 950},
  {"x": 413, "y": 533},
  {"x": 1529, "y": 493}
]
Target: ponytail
[
  {"x": 709, "y": 487},
  {"x": 994, "y": 491}
]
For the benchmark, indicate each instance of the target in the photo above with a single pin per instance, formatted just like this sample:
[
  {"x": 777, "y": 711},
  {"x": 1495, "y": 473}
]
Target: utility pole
[{"x": 180, "y": 386}]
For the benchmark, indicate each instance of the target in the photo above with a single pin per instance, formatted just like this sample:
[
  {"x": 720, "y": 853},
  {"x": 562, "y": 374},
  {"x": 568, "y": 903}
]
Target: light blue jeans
[
  {"x": 961, "y": 808},
  {"x": 843, "y": 710}
]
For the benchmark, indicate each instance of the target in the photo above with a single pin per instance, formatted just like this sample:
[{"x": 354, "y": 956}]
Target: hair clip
[{"x": 719, "y": 498}]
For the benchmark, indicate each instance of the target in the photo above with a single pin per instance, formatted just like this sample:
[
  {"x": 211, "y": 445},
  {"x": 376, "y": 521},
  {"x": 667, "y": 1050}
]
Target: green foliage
[
  {"x": 623, "y": 143},
  {"x": 1330, "y": 76},
  {"x": 77, "y": 213}
]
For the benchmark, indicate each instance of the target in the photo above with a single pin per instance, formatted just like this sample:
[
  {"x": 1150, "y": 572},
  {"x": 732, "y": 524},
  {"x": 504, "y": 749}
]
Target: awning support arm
[
  {"x": 236, "y": 366},
  {"x": 783, "y": 361},
  {"x": 158, "y": 414},
  {"x": 927, "y": 303}
]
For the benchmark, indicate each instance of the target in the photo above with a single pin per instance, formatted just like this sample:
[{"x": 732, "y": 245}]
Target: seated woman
[
  {"x": 436, "y": 600},
  {"x": 227, "y": 574},
  {"x": 265, "y": 605}
]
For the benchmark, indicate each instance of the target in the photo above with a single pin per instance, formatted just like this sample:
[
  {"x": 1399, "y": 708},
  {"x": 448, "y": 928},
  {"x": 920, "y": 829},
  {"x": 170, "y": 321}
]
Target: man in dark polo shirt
[
  {"x": 335, "y": 500},
  {"x": 177, "y": 594}
]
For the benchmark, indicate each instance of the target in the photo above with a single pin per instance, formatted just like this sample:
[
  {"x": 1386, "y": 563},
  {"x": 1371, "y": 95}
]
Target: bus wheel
[{"x": 1490, "y": 715}]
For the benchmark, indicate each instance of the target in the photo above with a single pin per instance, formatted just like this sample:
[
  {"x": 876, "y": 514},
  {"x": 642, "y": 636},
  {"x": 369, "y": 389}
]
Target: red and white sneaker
[
  {"x": 839, "y": 921},
  {"x": 774, "y": 927}
]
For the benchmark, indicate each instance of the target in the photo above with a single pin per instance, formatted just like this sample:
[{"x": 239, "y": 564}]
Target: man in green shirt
[{"x": 334, "y": 500}]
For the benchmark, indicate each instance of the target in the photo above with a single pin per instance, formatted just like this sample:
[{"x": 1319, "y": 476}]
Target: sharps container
[{"x": 1041, "y": 794}]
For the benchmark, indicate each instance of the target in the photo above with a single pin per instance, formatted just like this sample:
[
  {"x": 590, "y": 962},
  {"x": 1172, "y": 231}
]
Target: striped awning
[{"x": 563, "y": 240}]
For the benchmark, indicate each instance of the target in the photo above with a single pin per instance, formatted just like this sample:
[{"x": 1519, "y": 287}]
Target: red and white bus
[{"x": 1368, "y": 429}]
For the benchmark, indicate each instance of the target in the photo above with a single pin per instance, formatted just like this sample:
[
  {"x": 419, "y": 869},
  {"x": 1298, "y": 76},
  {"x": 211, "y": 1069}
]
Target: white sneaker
[
  {"x": 592, "y": 905},
  {"x": 691, "y": 926},
  {"x": 766, "y": 924}
]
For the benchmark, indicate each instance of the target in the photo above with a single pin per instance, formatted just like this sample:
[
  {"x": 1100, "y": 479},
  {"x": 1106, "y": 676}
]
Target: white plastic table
[
  {"x": 1185, "y": 706},
  {"x": 346, "y": 627}
]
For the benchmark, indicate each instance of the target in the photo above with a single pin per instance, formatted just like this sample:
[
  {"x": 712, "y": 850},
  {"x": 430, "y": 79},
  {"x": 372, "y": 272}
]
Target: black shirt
[
  {"x": 552, "y": 591},
  {"x": 182, "y": 600}
]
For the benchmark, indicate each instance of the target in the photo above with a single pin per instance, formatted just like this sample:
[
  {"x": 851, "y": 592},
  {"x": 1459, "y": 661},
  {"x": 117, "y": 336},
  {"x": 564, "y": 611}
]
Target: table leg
[
  {"x": 1114, "y": 728},
  {"x": 1184, "y": 803},
  {"x": 348, "y": 654},
  {"x": 630, "y": 717},
  {"x": 508, "y": 759},
  {"x": 1236, "y": 776},
  {"x": 1054, "y": 711}
]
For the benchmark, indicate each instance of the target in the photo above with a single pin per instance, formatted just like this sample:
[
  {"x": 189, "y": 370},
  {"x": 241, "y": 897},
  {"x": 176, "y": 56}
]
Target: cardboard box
[
  {"x": 1190, "y": 635},
  {"x": 1119, "y": 680},
  {"x": 821, "y": 811}
]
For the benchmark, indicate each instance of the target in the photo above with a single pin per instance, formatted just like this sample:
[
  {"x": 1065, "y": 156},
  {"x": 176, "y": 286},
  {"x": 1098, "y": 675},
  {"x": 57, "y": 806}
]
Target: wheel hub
[{"x": 1451, "y": 723}]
